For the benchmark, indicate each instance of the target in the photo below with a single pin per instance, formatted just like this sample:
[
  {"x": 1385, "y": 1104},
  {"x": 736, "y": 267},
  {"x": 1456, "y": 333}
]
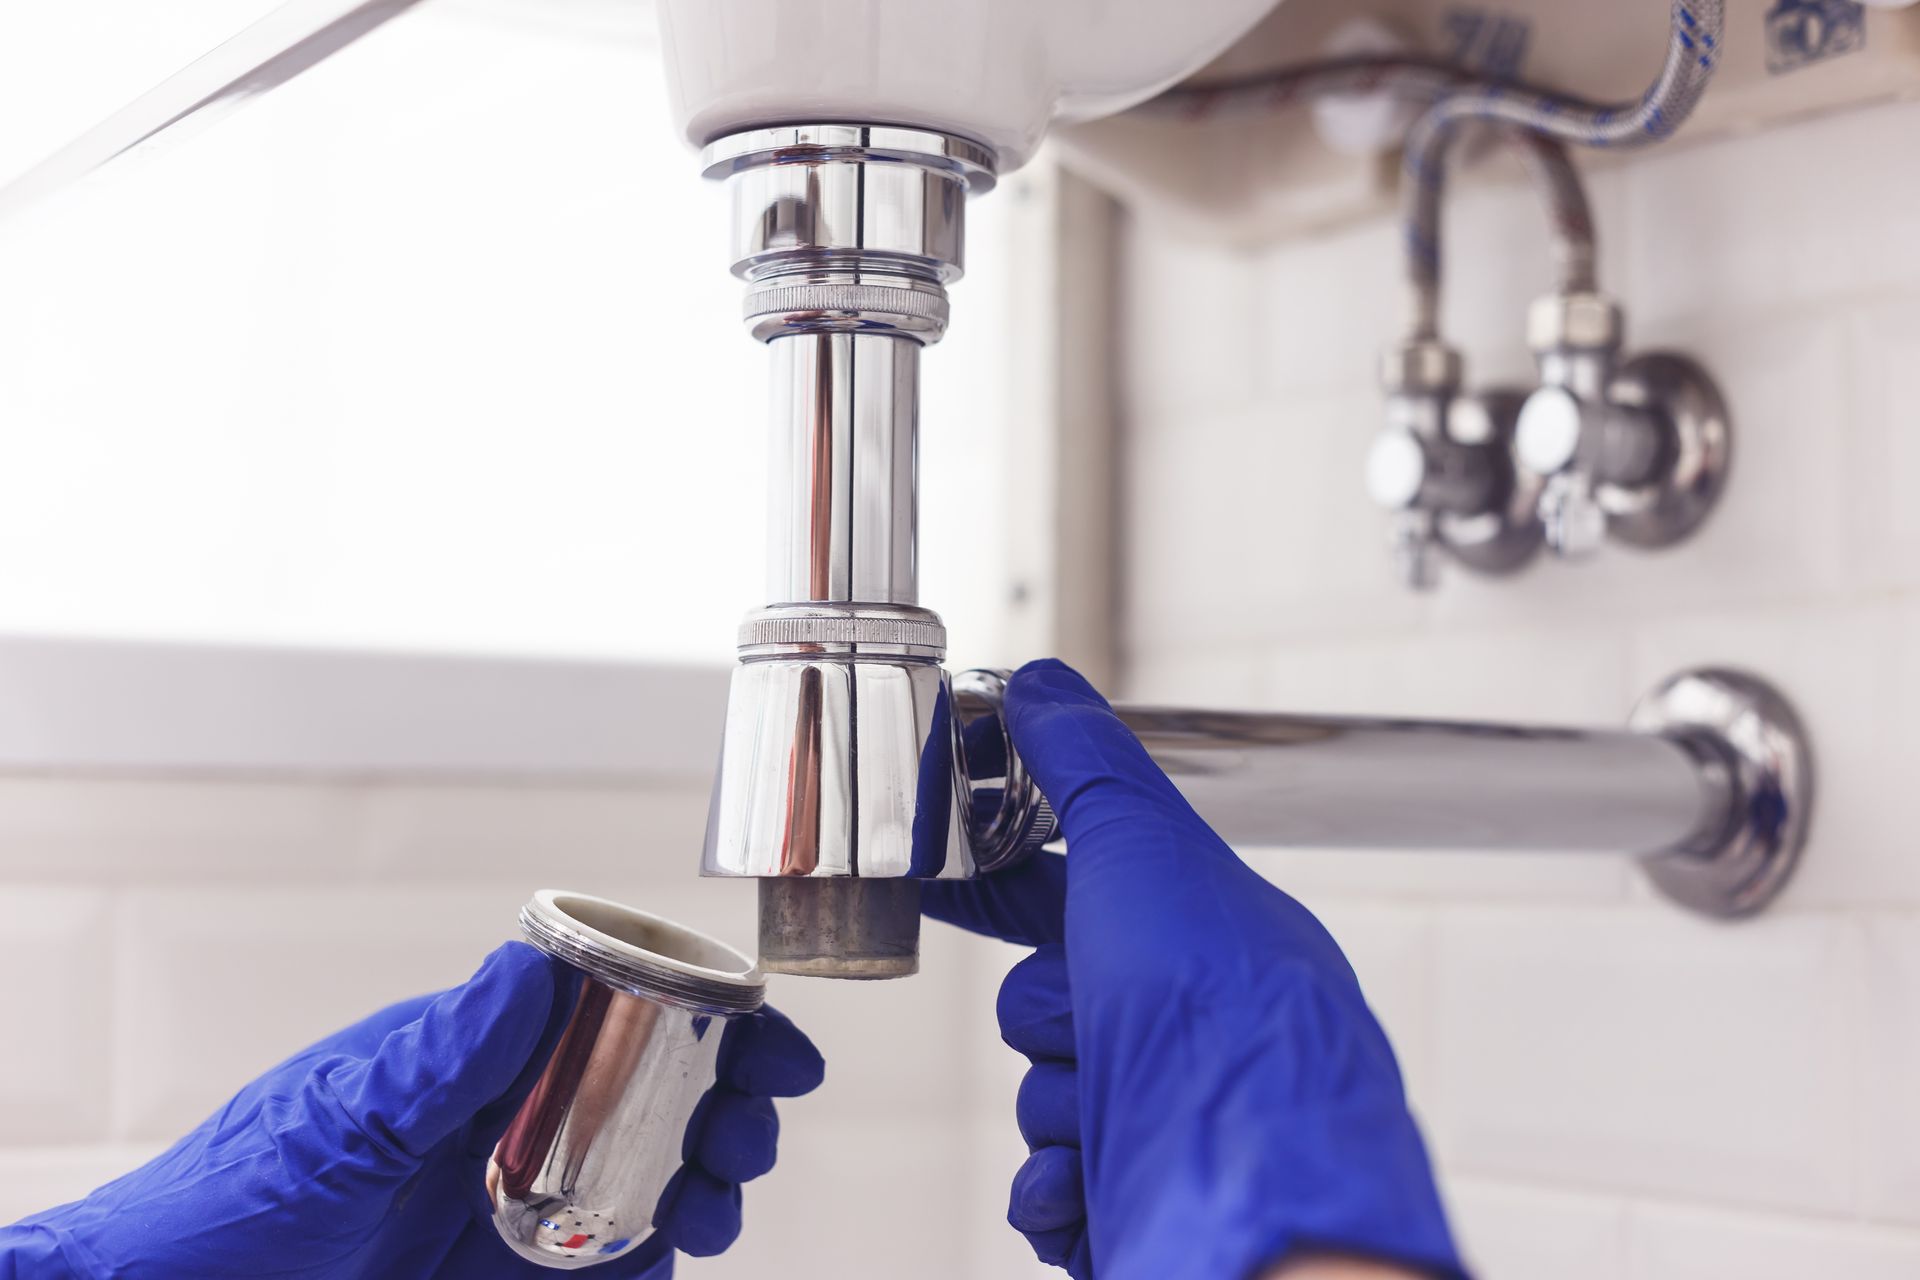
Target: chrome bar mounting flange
[{"x": 1637, "y": 449}]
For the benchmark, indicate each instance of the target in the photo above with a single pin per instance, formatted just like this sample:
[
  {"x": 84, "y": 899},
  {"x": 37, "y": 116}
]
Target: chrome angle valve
[
  {"x": 1636, "y": 450},
  {"x": 1444, "y": 468}
]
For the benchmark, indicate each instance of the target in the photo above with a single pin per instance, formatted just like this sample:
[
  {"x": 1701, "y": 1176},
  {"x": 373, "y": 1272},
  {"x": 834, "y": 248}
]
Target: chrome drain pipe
[{"x": 837, "y": 779}]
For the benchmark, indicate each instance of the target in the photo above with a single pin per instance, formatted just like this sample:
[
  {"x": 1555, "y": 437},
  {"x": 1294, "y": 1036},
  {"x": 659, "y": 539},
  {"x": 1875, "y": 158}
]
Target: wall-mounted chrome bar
[
  {"x": 1340, "y": 783},
  {"x": 1710, "y": 787}
]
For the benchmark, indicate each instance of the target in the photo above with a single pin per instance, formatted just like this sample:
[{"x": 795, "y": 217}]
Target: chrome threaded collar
[
  {"x": 643, "y": 954},
  {"x": 848, "y": 228},
  {"x": 889, "y": 632},
  {"x": 912, "y": 308},
  {"x": 971, "y": 162}
]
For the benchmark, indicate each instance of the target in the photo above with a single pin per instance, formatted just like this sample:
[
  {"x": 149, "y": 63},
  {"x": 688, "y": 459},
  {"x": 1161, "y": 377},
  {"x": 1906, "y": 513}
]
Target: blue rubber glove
[
  {"x": 1210, "y": 1094},
  {"x": 364, "y": 1156}
]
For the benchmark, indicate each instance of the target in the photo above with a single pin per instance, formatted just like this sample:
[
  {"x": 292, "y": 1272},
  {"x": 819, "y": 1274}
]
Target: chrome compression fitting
[
  {"x": 1444, "y": 468},
  {"x": 1637, "y": 450}
]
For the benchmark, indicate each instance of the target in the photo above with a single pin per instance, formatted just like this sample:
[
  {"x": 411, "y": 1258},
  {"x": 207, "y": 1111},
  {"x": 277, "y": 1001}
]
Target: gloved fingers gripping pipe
[
  {"x": 1710, "y": 786},
  {"x": 1692, "y": 54}
]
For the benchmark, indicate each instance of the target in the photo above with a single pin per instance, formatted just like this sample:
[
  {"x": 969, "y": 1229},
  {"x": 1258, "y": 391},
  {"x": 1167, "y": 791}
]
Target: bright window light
[{"x": 434, "y": 349}]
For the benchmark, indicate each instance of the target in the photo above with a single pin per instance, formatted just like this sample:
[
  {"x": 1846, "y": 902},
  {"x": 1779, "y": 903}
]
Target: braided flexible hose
[
  {"x": 1429, "y": 80},
  {"x": 1693, "y": 51}
]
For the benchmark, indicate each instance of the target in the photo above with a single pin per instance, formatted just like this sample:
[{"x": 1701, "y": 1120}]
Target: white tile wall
[
  {"x": 56, "y": 1007},
  {"x": 1883, "y": 382},
  {"x": 1890, "y": 1124},
  {"x": 1612, "y": 1089},
  {"x": 1510, "y": 1230},
  {"x": 1693, "y": 1244},
  {"x": 104, "y": 830},
  {"x": 1596, "y": 1048},
  {"x": 215, "y": 985}
]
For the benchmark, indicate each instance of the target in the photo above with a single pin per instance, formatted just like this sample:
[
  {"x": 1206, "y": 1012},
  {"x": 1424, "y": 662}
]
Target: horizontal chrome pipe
[
  {"x": 1711, "y": 786},
  {"x": 1347, "y": 783}
]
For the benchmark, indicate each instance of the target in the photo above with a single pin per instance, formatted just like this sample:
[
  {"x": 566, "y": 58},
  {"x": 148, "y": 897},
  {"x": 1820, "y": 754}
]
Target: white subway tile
[
  {"x": 171, "y": 829},
  {"x": 1190, "y": 323},
  {"x": 1195, "y": 490},
  {"x": 1674, "y": 1243},
  {"x": 557, "y": 835},
  {"x": 1883, "y": 474},
  {"x": 878, "y": 1195},
  {"x": 1521, "y": 1233},
  {"x": 995, "y": 1251},
  {"x": 1328, "y": 305},
  {"x": 993, "y": 1071},
  {"x": 1255, "y": 525},
  {"x": 1890, "y": 1099},
  {"x": 1398, "y": 875},
  {"x": 36, "y": 1178},
  {"x": 1181, "y": 675},
  {"x": 1784, "y": 219},
  {"x": 1537, "y": 674},
  {"x": 1646, "y": 1052},
  {"x": 214, "y": 986},
  {"x": 55, "y": 948},
  {"x": 1853, "y": 674}
]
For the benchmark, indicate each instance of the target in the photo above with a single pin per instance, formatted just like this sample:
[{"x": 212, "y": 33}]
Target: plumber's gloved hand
[
  {"x": 364, "y": 1156},
  {"x": 1209, "y": 1095}
]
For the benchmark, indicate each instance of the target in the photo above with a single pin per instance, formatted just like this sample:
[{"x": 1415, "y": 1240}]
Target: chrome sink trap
[{"x": 581, "y": 1169}]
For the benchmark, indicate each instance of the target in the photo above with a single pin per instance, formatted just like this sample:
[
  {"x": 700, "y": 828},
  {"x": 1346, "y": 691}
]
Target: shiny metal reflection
[
  {"x": 837, "y": 765},
  {"x": 580, "y": 1171}
]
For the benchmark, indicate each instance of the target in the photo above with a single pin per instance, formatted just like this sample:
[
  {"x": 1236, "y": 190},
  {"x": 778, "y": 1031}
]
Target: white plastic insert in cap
[{"x": 643, "y": 954}]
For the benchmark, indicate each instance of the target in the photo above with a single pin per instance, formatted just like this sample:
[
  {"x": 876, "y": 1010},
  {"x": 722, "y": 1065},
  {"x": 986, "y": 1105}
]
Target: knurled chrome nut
[
  {"x": 916, "y": 310},
  {"x": 905, "y": 631},
  {"x": 1574, "y": 322},
  {"x": 1422, "y": 367}
]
